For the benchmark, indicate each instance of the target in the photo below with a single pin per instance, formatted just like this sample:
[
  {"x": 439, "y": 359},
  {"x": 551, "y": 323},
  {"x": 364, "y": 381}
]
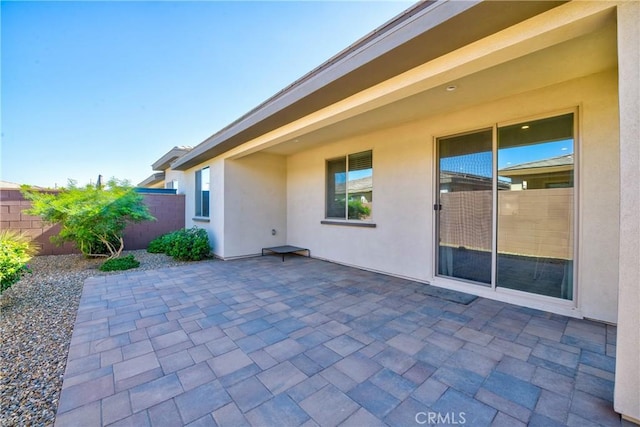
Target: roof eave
[
  {"x": 422, "y": 33},
  {"x": 164, "y": 162},
  {"x": 153, "y": 179}
]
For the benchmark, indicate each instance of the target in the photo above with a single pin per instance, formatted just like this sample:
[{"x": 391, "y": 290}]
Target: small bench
[{"x": 287, "y": 249}]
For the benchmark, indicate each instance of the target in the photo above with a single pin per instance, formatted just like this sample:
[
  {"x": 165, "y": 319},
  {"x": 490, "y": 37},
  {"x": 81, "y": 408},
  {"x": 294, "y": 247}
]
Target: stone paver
[{"x": 259, "y": 342}]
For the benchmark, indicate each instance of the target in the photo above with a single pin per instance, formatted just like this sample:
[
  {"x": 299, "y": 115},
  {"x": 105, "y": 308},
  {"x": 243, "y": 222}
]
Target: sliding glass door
[
  {"x": 535, "y": 207},
  {"x": 465, "y": 205},
  {"x": 505, "y": 206}
]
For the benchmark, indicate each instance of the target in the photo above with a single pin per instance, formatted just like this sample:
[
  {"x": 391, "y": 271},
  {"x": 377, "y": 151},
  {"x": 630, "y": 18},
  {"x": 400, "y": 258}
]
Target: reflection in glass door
[
  {"x": 535, "y": 207},
  {"x": 464, "y": 206}
]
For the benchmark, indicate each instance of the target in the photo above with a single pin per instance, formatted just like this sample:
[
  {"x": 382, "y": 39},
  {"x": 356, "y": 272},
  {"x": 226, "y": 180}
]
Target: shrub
[
  {"x": 160, "y": 245},
  {"x": 16, "y": 249},
  {"x": 357, "y": 210},
  {"x": 156, "y": 246},
  {"x": 184, "y": 245},
  {"x": 121, "y": 263},
  {"x": 93, "y": 217},
  {"x": 190, "y": 245}
]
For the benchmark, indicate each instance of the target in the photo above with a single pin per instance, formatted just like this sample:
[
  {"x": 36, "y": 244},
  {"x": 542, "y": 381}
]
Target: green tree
[{"x": 93, "y": 217}]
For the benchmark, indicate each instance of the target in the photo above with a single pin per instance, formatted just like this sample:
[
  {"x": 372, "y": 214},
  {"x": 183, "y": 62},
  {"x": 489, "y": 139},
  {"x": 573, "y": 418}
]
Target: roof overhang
[
  {"x": 164, "y": 162},
  {"x": 152, "y": 180},
  {"x": 424, "y": 32}
]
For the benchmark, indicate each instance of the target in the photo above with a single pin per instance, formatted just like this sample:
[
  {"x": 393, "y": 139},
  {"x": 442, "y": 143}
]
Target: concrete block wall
[{"x": 167, "y": 208}]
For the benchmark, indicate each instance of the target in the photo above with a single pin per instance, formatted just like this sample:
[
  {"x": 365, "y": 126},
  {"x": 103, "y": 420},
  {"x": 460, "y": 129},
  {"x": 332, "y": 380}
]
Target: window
[
  {"x": 202, "y": 192},
  {"x": 350, "y": 187}
]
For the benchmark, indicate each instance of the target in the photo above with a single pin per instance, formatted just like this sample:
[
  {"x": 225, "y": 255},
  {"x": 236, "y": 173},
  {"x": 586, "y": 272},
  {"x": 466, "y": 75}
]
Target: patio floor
[{"x": 263, "y": 342}]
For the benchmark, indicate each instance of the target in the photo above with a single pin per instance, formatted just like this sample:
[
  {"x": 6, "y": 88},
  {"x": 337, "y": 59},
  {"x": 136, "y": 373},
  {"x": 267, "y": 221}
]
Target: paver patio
[{"x": 306, "y": 342}]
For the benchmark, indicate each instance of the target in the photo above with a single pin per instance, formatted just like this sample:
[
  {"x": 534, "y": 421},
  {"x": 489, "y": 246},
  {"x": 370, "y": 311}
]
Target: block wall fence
[{"x": 168, "y": 209}]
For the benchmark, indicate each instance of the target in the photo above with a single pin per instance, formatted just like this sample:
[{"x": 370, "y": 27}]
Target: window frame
[
  {"x": 344, "y": 219},
  {"x": 202, "y": 206},
  {"x": 576, "y": 136}
]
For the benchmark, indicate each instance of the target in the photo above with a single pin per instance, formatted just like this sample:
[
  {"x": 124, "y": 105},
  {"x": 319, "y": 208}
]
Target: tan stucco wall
[
  {"x": 402, "y": 243},
  {"x": 255, "y": 204},
  {"x": 627, "y": 384},
  {"x": 173, "y": 175},
  {"x": 400, "y": 168},
  {"x": 215, "y": 224},
  {"x": 248, "y": 201}
]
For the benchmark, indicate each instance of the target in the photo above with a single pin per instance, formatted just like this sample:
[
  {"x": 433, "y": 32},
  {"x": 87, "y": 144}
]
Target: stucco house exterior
[
  {"x": 454, "y": 92},
  {"x": 163, "y": 176}
]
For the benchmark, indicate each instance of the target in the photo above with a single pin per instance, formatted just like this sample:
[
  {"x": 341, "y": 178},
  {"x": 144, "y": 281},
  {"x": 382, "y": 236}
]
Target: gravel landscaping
[{"x": 38, "y": 314}]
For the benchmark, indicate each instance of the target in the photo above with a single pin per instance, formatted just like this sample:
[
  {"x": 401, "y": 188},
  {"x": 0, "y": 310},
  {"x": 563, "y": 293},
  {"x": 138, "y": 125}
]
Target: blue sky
[{"x": 107, "y": 88}]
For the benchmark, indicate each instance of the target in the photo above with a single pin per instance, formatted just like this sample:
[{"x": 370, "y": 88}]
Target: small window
[
  {"x": 350, "y": 187},
  {"x": 202, "y": 192}
]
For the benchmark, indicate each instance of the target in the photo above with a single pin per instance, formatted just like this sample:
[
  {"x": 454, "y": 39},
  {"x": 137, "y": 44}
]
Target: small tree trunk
[
  {"x": 114, "y": 253},
  {"x": 121, "y": 248}
]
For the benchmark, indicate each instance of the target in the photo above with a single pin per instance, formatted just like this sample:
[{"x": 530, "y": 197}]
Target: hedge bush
[
  {"x": 122, "y": 263},
  {"x": 160, "y": 245},
  {"x": 16, "y": 249},
  {"x": 184, "y": 245}
]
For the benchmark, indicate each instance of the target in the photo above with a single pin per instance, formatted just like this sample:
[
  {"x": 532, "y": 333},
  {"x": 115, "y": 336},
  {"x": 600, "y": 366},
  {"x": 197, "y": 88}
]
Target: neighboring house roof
[
  {"x": 424, "y": 32},
  {"x": 552, "y": 164},
  {"x": 544, "y": 163},
  {"x": 164, "y": 162},
  {"x": 361, "y": 185},
  {"x": 468, "y": 179},
  {"x": 451, "y": 175},
  {"x": 6, "y": 185},
  {"x": 9, "y": 185},
  {"x": 152, "y": 180}
]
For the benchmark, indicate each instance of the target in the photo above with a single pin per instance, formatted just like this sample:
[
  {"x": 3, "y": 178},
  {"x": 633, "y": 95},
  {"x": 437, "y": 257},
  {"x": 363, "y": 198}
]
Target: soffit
[
  {"x": 581, "y": 56},
  {"x": 414, "y": 41}
]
